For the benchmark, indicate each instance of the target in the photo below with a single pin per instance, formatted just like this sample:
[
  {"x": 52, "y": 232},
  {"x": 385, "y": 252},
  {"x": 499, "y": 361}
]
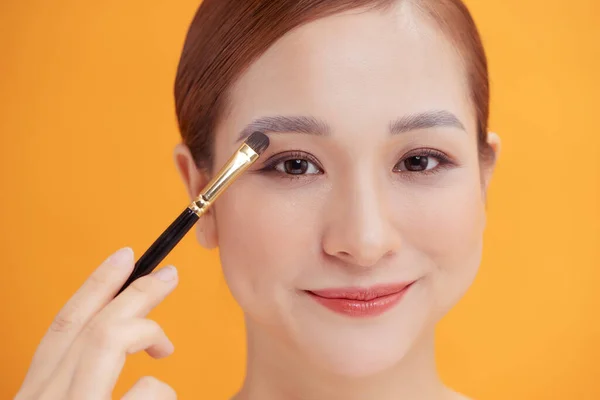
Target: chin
[
  {"x": 363, "y": 347},
  {"x": 358, "y": 354}
]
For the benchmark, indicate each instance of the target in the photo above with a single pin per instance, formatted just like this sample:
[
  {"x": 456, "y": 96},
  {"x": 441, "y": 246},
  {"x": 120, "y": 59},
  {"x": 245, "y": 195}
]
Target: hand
[{"x": 84, "y": 350}]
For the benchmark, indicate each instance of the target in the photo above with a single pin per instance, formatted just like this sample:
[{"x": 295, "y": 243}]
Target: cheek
[
  {"x": 451, "y": 221},
  {"x": 265, "y": 241},
  {"x": 447, "y": 231}
]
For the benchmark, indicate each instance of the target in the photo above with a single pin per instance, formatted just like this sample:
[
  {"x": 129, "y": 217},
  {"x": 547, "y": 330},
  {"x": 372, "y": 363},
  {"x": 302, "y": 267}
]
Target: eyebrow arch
[
  {"x": 283, "y": 124},
  {"x": 313, "y": 126},
  {"x": 424, "y": 120}
]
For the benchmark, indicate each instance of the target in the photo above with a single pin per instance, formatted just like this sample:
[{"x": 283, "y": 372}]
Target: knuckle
[
  {"x": 99, "y": 278},
  {"x": 67, "y": 319},
  {"x": 62, "y": 323},
  {"x": 155, "y": 326},
  {"x": 140, "y": 286},
  {"x": 146, "y": 286},
  {"x": 154, "y": 330},
  {"x": 102, "y": 335}
]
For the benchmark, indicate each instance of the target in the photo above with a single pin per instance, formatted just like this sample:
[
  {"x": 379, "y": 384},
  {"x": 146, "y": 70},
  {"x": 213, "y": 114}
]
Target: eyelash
[
  {"x": 443, "y": 160},
  {"x": 271, "y": 164}
]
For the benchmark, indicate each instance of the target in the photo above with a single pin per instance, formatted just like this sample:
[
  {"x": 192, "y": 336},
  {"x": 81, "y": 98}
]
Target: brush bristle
[{"x": 258, "y": 141}]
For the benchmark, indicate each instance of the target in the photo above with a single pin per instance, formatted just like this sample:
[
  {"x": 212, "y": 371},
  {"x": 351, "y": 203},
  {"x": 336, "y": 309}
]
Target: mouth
[{"x": 361, "y": 302}]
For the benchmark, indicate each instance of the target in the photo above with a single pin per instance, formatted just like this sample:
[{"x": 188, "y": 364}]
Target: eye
[
  {"x": 423, "y": 161},
  {"x": 419, "y": 163},
  {"x": 297, "y": 166},
  {"x": 293, "y": 165}
]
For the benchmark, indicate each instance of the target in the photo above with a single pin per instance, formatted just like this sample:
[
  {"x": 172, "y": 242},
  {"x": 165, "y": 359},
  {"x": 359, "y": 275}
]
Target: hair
[{"x": 226, "y": 36}]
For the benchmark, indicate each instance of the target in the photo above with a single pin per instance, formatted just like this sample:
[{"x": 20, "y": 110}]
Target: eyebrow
[
  {"x": 313, "y": 126},
  {"x": 425, "y": 120},
  {"x": 282, "y": 124}
]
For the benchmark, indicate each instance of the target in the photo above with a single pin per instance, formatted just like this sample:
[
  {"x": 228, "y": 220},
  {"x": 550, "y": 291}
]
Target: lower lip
[{"x": 360, "y": 308}]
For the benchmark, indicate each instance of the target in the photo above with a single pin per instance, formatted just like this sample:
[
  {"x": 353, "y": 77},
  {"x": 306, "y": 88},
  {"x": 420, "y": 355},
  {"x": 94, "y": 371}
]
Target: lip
[{"x": 361, "y": 302}]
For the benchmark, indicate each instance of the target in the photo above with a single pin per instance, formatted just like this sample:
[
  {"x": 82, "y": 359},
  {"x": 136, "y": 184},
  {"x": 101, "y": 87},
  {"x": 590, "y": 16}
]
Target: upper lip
[{"x": 361, "y": 294}]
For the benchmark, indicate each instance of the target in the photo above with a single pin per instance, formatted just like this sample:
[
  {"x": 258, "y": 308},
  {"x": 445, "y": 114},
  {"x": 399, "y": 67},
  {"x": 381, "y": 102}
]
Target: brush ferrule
[
  {"x": 199, "y": 206},
  {"x": 237, "y": 164}
]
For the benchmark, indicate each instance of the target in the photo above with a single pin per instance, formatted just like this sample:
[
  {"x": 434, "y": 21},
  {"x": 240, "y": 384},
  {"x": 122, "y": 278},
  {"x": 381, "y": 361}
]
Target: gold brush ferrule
[{"x": 243, "y": 158}]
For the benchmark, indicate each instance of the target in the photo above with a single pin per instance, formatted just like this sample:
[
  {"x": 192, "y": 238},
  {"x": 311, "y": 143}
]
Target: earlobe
[
  {"x": 494, "y": 144},
  {"x": 194, "y": 180}
]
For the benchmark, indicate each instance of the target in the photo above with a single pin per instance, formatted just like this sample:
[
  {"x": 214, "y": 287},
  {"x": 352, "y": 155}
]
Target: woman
[{"x": 361, "y": 225}]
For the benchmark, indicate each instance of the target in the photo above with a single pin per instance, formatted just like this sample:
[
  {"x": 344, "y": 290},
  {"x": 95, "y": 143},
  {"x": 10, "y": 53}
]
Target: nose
[{"x": 360, "y": 227}]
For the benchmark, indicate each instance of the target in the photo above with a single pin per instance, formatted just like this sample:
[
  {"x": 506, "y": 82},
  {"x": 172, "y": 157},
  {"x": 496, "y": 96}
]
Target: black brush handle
[{"x": 162, "y": 246}]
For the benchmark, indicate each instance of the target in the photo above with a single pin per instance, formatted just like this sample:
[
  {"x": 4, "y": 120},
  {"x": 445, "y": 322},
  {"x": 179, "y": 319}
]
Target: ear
[
  {"x": 494, "y": 144},
  {"x": 194, "y": 180}
]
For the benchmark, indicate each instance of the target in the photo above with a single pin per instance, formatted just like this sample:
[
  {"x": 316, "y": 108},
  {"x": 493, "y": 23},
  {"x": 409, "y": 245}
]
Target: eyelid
[
  {"x": 445, "y": 162},
  {"x": 427, "y": 152},
  {"x": 272, "y": 162}
]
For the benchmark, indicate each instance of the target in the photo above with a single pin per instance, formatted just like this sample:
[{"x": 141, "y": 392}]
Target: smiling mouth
[{"x": 361, "y": 302}]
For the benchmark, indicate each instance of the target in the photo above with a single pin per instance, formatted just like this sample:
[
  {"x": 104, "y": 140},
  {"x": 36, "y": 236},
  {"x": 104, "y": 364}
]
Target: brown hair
[{"x": 226, "y": 36}]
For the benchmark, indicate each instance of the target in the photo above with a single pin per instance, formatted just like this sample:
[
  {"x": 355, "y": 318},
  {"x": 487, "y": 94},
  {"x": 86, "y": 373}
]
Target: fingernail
[
  {"x": 166, "y": 274},
  {"x": 122, "y": 258}
]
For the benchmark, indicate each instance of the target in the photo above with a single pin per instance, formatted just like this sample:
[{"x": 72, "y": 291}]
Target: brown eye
[
  {"x": 297, "y": 167},
  {"x": 416, "y": 163}
]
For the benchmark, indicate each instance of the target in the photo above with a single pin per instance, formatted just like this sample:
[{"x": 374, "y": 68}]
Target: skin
[
  {"x": 355, "y": 216},
  {"x": 85, "y": 347}
]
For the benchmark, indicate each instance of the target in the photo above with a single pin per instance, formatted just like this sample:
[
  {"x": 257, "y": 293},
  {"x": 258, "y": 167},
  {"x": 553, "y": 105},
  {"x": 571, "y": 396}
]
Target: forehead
[{"x": 354, "y": 70}]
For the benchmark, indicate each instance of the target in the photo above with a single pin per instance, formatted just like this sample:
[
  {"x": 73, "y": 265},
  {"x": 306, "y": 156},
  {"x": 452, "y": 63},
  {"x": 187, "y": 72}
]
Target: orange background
[{"x": 87, "y": 128}]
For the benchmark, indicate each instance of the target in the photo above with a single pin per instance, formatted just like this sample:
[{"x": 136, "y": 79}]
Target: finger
[
  {"x": 142, "y": 295},
  {"x": 93, "y": 295},
  {"x": 106, "y": 347},
  {"x": 149, "y": 388}
]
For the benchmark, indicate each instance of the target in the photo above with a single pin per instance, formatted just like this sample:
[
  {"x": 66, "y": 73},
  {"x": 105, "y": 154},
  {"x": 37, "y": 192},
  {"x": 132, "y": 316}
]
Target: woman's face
[{"x": 372, "y": 179}]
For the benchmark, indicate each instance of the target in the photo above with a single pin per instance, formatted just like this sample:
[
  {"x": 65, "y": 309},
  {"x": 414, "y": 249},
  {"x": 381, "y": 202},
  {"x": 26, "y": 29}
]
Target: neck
[{"x": 276, "y": 371}]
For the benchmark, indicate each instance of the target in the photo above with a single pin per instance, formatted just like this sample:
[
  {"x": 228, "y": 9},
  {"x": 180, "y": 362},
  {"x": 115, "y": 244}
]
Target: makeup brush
[{"x": 246, "y": 155}]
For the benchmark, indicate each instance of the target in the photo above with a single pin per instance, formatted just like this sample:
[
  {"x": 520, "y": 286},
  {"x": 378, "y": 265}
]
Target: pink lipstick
[{"x": 361, "y": 302}]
